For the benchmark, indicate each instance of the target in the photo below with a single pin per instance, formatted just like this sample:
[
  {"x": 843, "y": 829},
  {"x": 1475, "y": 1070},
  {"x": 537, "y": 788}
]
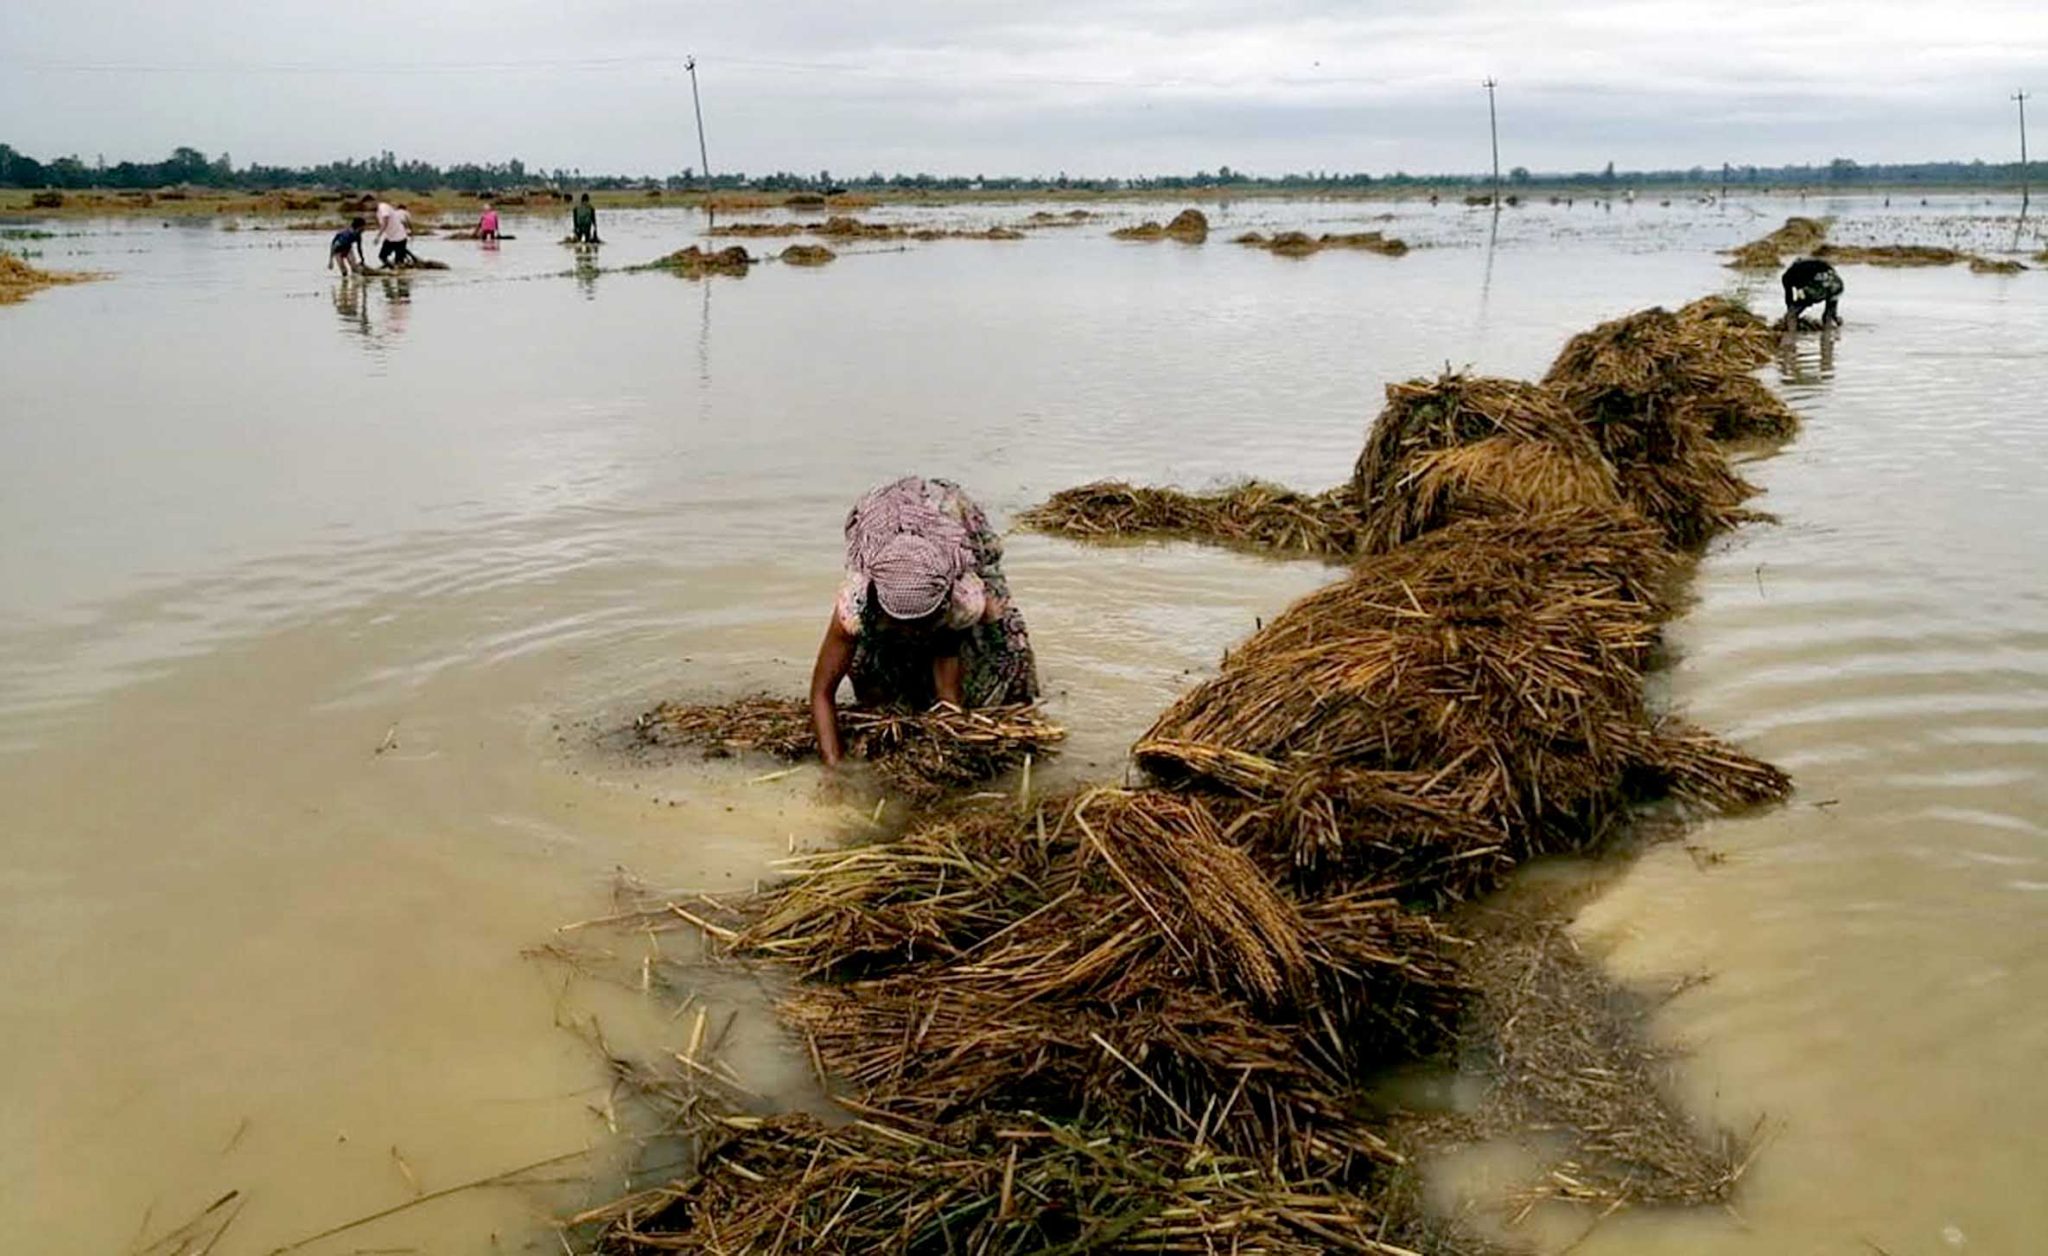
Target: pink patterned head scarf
[{"x": 910, "y": 551}]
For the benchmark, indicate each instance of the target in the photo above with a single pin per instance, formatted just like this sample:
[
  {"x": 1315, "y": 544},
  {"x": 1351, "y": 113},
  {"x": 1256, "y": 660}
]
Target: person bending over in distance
[
  {"x": 346, "y": 239},
  {"x": 924, "y": 612},
  {"x": 1808, "y": 282},
  {"x": 583, "y": 222}
]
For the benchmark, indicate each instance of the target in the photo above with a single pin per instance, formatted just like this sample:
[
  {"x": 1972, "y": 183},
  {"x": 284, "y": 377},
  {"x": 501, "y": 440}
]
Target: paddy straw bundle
[
  {"x": 1637, "y": 384},
  {"x": 1018, "y": 1184},
  {"x": 1456, "y": 706},
  {"x": 1112, "y": 957},
  {"x": 1253, "y": 515},
  {"x": 1797, "y": 235},
  {"x": 920, "y": 754},
  {"x": 1462, "y": 446}
]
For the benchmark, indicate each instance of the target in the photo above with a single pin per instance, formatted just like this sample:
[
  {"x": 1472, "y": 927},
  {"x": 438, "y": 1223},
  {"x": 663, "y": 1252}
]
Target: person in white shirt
[{"x": 394, "y": 231}]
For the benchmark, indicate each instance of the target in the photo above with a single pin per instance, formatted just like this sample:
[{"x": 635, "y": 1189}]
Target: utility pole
[
  {"x": 704, "y": 160},
  {"x": 1493, "y": 129},
  {"x": 2025, "y": 189},
  {"x": 1724, "y": 183}
]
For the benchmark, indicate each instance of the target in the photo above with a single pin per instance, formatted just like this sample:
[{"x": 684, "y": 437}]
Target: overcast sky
[{"x": 1097, "y": 87}]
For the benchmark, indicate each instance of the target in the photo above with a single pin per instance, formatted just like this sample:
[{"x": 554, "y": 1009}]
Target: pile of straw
[
  {"x": 693, "y": 262},
  {"x": 1301, "y": 244},
  {"x": 1461, "y": 447},
  {"x": 1798, "y": 235},
  {"x": 920, "y": 754},
  {"x": 19, "y": 280},
  {"x": 1020, "y": 1184},
  {"x": 1637, "y": 384},
  {"x": 1189, "y": 226},
  {"x": 1459, "y": 704},
  {"x": 1252, "y": 515},
  {"x": 807, "y": 255},
  {"x": 753, "y": 230}
]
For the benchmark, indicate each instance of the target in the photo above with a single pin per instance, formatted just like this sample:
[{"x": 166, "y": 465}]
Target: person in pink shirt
[{"x": 487, "y": 226}]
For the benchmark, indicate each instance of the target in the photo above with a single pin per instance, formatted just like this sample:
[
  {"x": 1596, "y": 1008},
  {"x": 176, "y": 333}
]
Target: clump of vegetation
[
  {"x": 693, "y": 262},
  {"x": 807, "y": 255},
  {"x": 1798, "y": 235},
  {"x": 1189, "y": 226},
  {"x": 19, "y": 280},
  {"x": 1302, "y": 244}
]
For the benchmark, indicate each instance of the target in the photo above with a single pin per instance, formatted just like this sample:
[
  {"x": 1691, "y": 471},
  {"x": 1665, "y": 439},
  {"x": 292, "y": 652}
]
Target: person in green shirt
[{"x": 584, "y": 220}]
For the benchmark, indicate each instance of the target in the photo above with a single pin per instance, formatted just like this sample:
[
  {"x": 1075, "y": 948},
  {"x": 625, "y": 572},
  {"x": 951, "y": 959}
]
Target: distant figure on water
[
  {"x": 394, "y": 233},
  {"x": 1809, "y": 282},
  {"x": 487, "y": 226},
  {"x": 347, "y": 239},
  {"x": 583, "y": 222},
  {"x": 924, "y": 612}
]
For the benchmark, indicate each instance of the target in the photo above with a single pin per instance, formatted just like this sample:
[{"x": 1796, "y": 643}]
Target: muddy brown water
[{"x": 313, "y": 595}]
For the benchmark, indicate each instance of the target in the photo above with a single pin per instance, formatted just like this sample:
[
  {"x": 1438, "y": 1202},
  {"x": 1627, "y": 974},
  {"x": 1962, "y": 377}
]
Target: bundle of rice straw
[
  {"x": 1466, "y": 701},
  {"x": 1252, "y": 515},
  {"x": 1630, "y": 381},
  {"x": 1798, "y": 235},
  {"x": 921, "y": 754},
  {"x": 1461, "y": 447},
  {"x": 1112, "y": 958},
  {"x": 1015, "y": 1184}
]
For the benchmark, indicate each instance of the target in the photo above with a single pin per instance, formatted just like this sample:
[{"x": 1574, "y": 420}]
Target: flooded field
[{"x": 316, "y": 596}]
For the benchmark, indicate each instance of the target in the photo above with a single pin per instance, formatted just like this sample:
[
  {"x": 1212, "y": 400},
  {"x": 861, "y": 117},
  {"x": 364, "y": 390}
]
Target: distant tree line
[{"x": 191, "y": 167}]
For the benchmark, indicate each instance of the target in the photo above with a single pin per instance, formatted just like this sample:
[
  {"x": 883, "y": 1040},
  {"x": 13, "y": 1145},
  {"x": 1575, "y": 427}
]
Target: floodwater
[{"x": 312, "y": 596}]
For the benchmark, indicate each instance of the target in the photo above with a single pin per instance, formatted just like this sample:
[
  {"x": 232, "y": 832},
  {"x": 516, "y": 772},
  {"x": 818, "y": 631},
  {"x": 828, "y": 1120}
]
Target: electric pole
[
  {"x": 1493, "y": 129},
  {"x": 1724, "y": 183},
  {"x": 704, "y": 159},
  {"x": 2025, "y": 189}
]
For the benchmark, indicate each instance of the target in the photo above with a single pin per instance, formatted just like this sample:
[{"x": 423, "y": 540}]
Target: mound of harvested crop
[
  {"x": 1890, "y": 255},
  {"x": 1798, "y": 235},
  {"x": 842, "y": 227},
  {"x": 1461, "y": 703},
  {"x": 1995, "y": 266},
  {"x": 693, "y": 262},
  {"x": 1253, "y": 515},
  {"x": 807, "y": 255},
  {"x": 18, "y": 279},
  {"x": 1301, "y": 244},
  {"x": 919, "y": 754},
  {"x": 1462, "y": 447},
  {"x": 1189, "y": 226},
  {"x": 756, "y": 229},
  {"x": 1630, "y": 381}
]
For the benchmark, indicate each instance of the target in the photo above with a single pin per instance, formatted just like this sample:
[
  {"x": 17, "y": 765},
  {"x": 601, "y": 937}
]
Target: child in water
[{"x": 349, "y": 237}]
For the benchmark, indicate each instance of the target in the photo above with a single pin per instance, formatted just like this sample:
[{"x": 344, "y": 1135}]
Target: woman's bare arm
[{"x": 835, "y": 656}]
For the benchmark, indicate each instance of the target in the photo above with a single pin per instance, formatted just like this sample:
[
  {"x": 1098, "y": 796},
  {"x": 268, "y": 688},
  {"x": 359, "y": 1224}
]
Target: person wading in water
[
  {"x": 1808, "y": 282},
  {"x": 924, "y": 613}
]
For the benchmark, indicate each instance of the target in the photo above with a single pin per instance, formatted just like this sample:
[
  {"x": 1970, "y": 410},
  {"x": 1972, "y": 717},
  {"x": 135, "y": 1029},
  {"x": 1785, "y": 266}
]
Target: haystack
[
  {"x": 1995, "y": 266},
  {"x": 1464, "y": 702},
  {"x": 1460, "y": 447},
  {"x": 1301, "y": 244},
  {"x": 1189, "y": 226},
  {"x": 1112, "y": 958},
  {"x": 1798, "y": 235},
  {"x": 693, "y": 262},
  {"x": 1253, "y": 515},
  {"x": 807, "y": 255},
  {"x": 918, "y": 754},
  {"x": 1016, "y": 1184},
  {"x": 1631, "y": 382},
  {"x": 19, "y": 280},
  {"x": 1902, "y": 255}
]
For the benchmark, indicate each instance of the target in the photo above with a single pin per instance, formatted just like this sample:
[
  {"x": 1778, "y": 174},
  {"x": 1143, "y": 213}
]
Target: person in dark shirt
[
  {"x": 583, "y": 221},
  {"x": 349, "y": 237},
  {"x": 1808, "y": 282}
]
